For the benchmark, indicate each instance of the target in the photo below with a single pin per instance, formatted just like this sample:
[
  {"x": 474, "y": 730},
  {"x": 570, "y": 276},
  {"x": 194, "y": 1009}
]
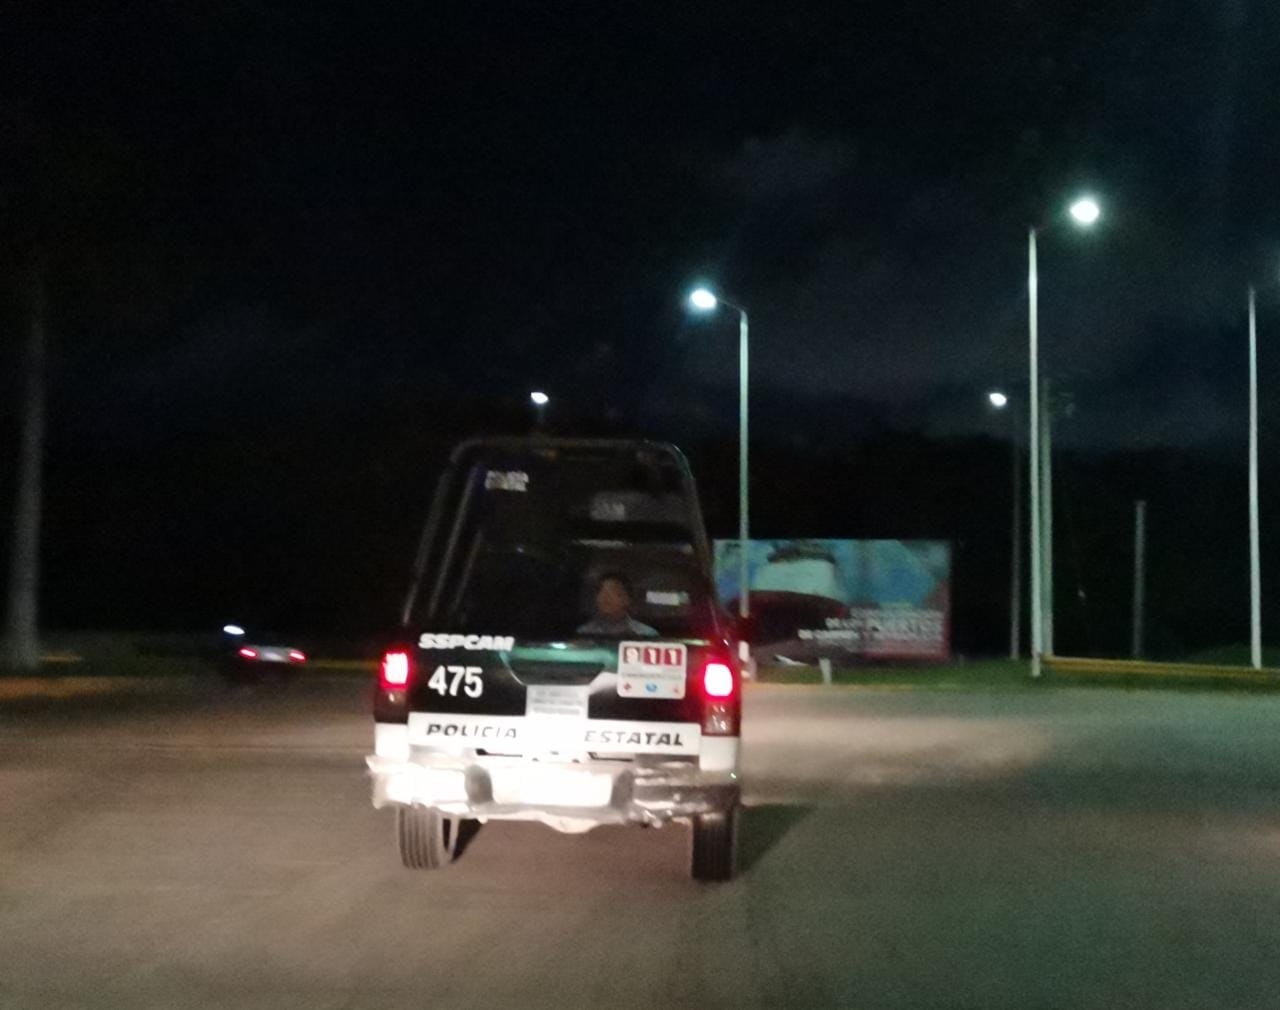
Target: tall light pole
[
  {"x": 1084, "y": 212},
  {"x": 1046, "y": 512},
  {"x": 1255, "y": 564},
  {"x": 704, "y": 300},
  {"x": 1000, "y": 401},
  {"x": 539, "y": 400},
  {"x": 1033, "y": 329}
]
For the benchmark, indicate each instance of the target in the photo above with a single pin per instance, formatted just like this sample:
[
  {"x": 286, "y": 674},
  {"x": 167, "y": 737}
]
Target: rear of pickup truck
[{"x": 500, "y": 697}]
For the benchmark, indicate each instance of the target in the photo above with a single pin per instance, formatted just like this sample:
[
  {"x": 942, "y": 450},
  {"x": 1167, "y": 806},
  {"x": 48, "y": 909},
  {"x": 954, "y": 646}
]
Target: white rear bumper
[{"x": 570, "y": 795}]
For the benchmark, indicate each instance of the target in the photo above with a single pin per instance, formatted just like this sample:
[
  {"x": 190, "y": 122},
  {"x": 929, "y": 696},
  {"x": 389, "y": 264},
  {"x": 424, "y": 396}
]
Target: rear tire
[
  {"x": 427, "y": 839},
  {"x": 715, "y": 845}
]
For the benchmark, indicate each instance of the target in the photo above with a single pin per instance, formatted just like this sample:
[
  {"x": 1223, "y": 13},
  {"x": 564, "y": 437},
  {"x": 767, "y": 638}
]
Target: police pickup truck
[{"x": 561, "y": 655}]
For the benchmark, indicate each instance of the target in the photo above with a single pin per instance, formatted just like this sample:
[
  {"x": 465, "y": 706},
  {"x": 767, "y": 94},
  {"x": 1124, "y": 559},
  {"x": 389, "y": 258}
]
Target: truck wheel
[
  {"x": 715, "y": 845},
  {"x": 427, "y": 840}
]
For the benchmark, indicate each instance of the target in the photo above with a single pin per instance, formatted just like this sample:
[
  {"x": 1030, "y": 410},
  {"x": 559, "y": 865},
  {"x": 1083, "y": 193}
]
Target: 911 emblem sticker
[{"x": 652, "y": 670}]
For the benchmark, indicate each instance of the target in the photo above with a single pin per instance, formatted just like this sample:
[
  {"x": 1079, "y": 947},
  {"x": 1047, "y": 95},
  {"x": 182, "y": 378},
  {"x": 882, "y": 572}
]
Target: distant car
[{"x": 263, "y": 657}]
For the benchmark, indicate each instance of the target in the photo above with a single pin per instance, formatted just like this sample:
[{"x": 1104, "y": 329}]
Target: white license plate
[
  {"x": 551, "y": 786},
  {"x": 556, "y": 701}
]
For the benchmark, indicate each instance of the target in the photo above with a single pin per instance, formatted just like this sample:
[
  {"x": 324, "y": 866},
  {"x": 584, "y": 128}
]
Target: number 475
[{"x": 469, "y": 677}]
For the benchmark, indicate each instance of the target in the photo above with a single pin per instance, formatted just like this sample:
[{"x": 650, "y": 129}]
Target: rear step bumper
[{"x": 570, "y": 797}]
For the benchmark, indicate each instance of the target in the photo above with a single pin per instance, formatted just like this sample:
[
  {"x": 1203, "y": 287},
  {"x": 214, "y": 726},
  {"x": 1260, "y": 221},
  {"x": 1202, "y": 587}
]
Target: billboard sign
[{"x": 843, "y": 599}]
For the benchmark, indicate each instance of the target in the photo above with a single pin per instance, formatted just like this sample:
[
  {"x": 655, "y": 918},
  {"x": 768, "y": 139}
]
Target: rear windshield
[{"x": 527, "y": 539}]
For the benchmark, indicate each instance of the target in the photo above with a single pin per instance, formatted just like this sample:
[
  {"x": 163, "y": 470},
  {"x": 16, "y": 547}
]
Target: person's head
[{"x": 613, "y": 596}]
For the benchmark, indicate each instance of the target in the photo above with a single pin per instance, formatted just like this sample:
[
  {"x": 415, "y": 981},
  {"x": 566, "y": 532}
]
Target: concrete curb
[
  {"x": 1076, "y": 666},
  {"x": 58, "y": 688}
]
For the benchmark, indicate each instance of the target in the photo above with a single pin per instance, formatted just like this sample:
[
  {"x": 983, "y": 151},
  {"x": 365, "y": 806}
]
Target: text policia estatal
[{"x": 603, "y": 737}]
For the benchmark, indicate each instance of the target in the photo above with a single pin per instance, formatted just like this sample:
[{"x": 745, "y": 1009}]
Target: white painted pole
[
  {"x": 1139, "y": 574},
  {"x": 1033, "y": 341},
  {"x": 1015, "y": 564},
  {"x": 1255, "y": 564},
  {"x": 744, "y": 534},
  {"x": 23, "y": 631},
  {"x": 1046, "y": 517}
]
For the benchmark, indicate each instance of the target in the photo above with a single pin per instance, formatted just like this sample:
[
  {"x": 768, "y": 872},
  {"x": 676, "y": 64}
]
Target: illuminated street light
[
  {"x": 233, "y": 629},
  {"x": 704, "y": 300},
  {"x": 539, "y": 399},
  {"x": 1000, "y": 401},
  {"x": 1086, "y": 211}
]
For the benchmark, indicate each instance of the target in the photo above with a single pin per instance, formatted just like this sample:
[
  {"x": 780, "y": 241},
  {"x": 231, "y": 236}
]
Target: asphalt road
[{"x": 1048, "y": 848}]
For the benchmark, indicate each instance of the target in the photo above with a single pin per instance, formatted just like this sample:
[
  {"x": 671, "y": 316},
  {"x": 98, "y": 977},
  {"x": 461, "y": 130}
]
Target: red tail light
[
  {"x": 248, "y": 653},
  {"x": 719, "y": 699},
  {"x": 297, "y": 656},
  {"x": 397, "y": 667},
  {"x": 717, "y": 680}
]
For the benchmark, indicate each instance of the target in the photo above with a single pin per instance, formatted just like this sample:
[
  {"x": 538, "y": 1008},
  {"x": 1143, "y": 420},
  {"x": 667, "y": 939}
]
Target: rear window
[{"x": 525, "y": 539}]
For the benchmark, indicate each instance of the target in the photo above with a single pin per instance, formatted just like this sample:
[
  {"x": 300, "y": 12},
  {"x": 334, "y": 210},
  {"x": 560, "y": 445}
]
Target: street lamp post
[
  {"x": 705, "y": 301},
  {"x": 1084, "y": 212},
  {"x": 1255, "y": 564},
  {"x": 1046, "y": 513},
  {"x": 1000, "y": 401},
  {"x": 539, "y": 400},
  {"x": 1033, "y": 340}
]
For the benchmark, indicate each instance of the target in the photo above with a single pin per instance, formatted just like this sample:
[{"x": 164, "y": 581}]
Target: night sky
[{"x": 287, "y": 243}]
